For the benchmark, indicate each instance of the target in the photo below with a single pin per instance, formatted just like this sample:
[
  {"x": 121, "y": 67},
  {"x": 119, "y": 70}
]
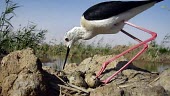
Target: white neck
[
  {"x": 82, "y": 33},
  {"x": 87, "y": 35}
]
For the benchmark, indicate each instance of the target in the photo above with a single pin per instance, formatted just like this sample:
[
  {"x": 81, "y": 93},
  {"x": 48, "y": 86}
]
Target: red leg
[
  {"x": 107, "y": 62},
  {"x": 134, "y": 47},
  {"x": 108, "y": 79},
  {"x": 123, "y": 53}
]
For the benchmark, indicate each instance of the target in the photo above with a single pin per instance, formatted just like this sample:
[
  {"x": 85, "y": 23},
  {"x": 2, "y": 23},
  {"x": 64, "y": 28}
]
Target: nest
[{"x": 83, "y": 87}]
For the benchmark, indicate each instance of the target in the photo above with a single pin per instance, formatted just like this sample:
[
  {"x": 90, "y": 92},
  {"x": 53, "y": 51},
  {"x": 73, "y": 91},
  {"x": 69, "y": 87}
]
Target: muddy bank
[
  {"x": 132, "y": 81},
  {"x": 22, "y": 74}
]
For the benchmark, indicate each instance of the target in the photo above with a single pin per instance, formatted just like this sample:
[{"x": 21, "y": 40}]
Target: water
[
  {"x": 150, "y": 66},
  {"x": 56, "y": 64}
]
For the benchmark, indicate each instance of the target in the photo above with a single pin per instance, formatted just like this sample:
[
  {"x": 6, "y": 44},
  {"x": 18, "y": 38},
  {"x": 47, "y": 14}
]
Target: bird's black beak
[{"x": 68, "y": 50}]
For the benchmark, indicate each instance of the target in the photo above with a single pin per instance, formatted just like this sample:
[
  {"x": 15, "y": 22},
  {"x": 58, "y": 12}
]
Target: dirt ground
[
  {"x": 132, "y": 81},
  {"x": 22, "y": 74}
]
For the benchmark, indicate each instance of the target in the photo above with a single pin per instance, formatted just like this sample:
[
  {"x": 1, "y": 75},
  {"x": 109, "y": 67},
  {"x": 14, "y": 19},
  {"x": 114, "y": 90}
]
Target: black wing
[{"x": 108, "y": 9}]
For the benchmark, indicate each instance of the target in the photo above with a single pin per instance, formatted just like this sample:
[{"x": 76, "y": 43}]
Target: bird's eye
[{"x": 66, "y": 39}]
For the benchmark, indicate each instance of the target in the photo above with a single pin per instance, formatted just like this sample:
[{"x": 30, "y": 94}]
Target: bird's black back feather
[
  {"x": 156, "y": 0},
  {"x": 108, "y": 9}
]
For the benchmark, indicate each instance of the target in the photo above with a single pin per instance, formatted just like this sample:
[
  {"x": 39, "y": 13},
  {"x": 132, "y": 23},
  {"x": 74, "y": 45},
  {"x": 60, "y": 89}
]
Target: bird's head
[{"x": 71, "y": 37}]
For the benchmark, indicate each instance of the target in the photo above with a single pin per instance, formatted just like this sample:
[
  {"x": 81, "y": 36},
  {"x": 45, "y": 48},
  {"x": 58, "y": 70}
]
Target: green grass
[{"x": 81, "y": 50}]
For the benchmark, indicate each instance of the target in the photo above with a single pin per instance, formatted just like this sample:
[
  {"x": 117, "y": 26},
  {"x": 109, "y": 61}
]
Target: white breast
[{"x": 105, "y": 26}]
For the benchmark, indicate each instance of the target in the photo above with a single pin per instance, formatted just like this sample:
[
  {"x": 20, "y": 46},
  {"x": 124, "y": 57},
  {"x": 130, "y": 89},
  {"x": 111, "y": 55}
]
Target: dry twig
[
  {"x": 69, "y": 88},
  {"x": 79, "y": 88}
]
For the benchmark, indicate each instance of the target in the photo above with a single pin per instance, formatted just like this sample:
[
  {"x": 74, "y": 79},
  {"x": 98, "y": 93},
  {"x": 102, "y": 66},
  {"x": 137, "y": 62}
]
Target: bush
[{"x": 28, "y": 36}]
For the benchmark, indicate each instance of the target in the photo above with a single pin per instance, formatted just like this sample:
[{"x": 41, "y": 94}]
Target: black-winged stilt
[{"x": 109, "y": 18}]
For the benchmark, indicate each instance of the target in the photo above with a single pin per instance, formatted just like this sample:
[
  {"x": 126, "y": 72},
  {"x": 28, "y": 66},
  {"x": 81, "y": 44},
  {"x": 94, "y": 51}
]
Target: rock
[
  {"x": 70, "y": 68},
  {"x": 164, "y": 80},
  {"x": 154, "y": 91},
  {"x": 140, "y": 90},
  {"x": 92, "y": 64},
  {"x": 108, "y": 90},
  {"x": 22, "y": 75},
  {"x": 137, "y": 75},
  {"x": 143, "y": 89},
  {"x": 77, "y": 78}
]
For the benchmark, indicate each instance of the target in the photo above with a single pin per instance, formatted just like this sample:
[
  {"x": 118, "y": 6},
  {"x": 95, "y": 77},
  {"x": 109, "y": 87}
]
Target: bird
[
  {"x": 91, "y": 80},
  {"x": 110, "y": 17}
]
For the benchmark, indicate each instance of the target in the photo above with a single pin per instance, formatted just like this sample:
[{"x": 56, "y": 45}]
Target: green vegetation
[
  {"x": 10, "y": 40},
  {"x": 79, "y": 50},
  {"x": 32, "y": 37},
  {"x": 82, "y": 50}
]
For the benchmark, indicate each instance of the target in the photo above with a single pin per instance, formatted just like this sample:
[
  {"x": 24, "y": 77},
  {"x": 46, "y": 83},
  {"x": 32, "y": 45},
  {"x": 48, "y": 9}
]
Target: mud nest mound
[{"x": 22, "y": 74}]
